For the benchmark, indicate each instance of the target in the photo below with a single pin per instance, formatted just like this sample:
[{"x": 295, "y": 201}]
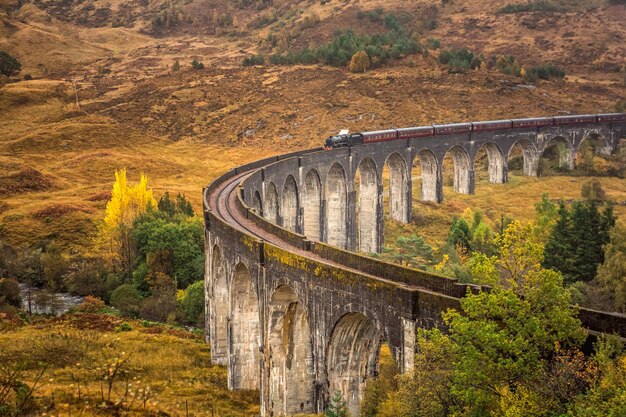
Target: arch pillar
[
  {"x": 380, "y": 219},
  {"x": 409, "y": 340},
  {"x": 470, "y": 182},
  {"x": 409, "y": 196},
  {"x": 531, "y": 162},
  {"x": 352, "y": 240}
]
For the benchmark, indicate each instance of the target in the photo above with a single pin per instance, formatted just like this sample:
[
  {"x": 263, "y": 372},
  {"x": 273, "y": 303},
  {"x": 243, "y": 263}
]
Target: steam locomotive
[{"x": 344, "y": 138}]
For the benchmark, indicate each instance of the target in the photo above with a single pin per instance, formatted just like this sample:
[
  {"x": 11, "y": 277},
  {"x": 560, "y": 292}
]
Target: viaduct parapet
[{"x": 293, "y": 310}]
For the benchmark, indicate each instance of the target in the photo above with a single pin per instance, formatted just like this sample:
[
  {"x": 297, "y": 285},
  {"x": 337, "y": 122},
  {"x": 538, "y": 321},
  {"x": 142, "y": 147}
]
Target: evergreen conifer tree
[
  {"x": 337, "y": 407},
  {"x": 557, "y": 253}
]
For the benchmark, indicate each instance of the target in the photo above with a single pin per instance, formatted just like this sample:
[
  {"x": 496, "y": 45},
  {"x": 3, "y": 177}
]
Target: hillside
[{"x": 104, "y": 95}]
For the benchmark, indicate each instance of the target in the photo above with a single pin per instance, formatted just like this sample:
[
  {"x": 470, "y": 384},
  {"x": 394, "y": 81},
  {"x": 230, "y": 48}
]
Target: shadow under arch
[
  {"x": 352, "y": 356},
  {"x": 336, "y": 196},
  {"x": 366, "y": 187},
  {"x": 257, "y": 204},
  {"x": 397, "y": 188},
  {"x": 557, "y": 147},
  {"x": 311, "y": 204},
  {"x": 291, "y": 383},
  {"x": 245, "y": 332},
  {"x": 290, "y": 204}
]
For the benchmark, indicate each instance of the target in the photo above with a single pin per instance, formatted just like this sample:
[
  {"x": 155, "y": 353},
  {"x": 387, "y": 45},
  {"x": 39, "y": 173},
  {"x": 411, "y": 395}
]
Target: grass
[{"x": 173, "y": 363}]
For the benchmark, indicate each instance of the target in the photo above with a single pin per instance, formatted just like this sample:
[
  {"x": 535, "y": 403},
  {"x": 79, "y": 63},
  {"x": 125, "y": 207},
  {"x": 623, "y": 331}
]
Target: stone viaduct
[{"x": 293, "y": 308}]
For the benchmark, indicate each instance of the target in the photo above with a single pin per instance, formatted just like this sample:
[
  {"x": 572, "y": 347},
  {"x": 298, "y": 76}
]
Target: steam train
[{"x": 344, "y": 138}]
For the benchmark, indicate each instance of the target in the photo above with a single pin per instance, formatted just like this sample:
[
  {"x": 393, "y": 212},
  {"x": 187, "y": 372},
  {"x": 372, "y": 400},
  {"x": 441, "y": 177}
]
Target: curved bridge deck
[{"x": 299, "y": 318}]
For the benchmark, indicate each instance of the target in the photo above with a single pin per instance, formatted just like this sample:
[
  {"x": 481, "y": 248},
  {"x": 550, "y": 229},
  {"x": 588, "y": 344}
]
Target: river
[{"x": 42, "y": 301}]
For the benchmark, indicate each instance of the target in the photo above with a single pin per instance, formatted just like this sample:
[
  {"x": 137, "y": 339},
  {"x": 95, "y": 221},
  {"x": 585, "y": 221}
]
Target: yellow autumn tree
[{"x": 126, "y": 204}]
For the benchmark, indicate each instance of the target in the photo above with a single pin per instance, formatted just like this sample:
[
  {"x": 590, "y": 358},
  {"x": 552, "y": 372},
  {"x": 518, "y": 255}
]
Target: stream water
[{"x": 41, "y": 301}]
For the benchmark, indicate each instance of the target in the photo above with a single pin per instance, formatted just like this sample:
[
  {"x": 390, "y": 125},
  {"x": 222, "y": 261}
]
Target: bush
[
  {"x": 544, "y": 72},
  {"x": 459, "y": 59},
  {"x": 374, "y": 16},
  {"x": 126, "y": 299},
  {"x": 176, "y": 66},
  {"x": 195, "y": 64},
  {"x": 592, "y": 190},
  {"x": 360, "y": 62},
  {"x": 620, "y": 105},
  {"x": 9, "y": 66},
  {"x": 531, "y": 6},
  {"x": 252, "y": 60},
  {"x": 433, "y": 43},
  {"x": 124, "y": 327},
  {"x": 10, "y": 292},
  {"x": 506, "y": 64},
  {"x": 90, "y": 305},
  {"x": 89, "y": 276}
]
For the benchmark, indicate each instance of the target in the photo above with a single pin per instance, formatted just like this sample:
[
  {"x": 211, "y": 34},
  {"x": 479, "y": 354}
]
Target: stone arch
[
  {"x": 398, "y": 192},
  {"x": 367, "y": 206},
  {"x": 352, "y": 357},
  {"x": 336, "y": 195},
  {"x": 257, "y": 204},
  {"x": 424, "y": 175},
  {"x": 219, "y": 348},
  {"x": 291, "y": 370},
  {"x": 529, "y": 155},
  {"x": 271, "y": 203},
  {"x": 245, "y": 332},
  {"x": 312, "y": 203},
  {"x": 462, "y": 175},
  {"x": 566, "y": 152},
  {"x": 289, "y": 204},
  {"x": 495, "y": 163}
]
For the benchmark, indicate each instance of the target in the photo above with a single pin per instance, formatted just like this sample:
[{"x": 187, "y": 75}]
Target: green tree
[
  {"x": 558, "y": 252},
  {"x": 337, "y": 406},
  {"x": 9, "y": 66},
  {"x": 611, "y": 276},
  {"x": 427, "y": 390},
  {"x": 505, "y": 339},
  {"x": 191, "y": 303},
  {"x": 412, "y": 251},
  {"x": 460, "y": 234},
  {"x": 54, "y": 264},
  {"x": 607, "y": 396},
  {"x": 546, "y": 215},
  {"x": 172, "y": 246},
  {"x": 126, "y": 299}
]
